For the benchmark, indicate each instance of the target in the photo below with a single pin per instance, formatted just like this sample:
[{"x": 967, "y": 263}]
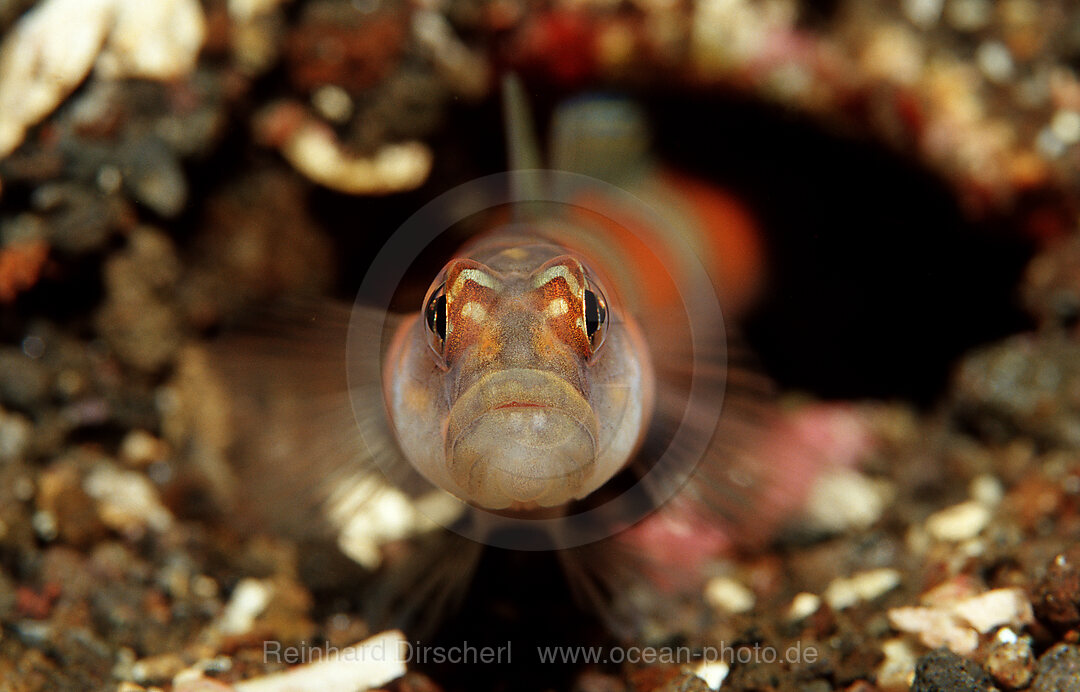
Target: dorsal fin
[
  {"x": 523, "y": 148},
  {"x": 601, "y": 136}
]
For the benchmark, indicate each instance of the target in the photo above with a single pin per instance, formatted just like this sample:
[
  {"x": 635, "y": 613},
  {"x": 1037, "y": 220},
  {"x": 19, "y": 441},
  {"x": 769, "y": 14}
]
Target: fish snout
[{"x": 521, "y": 437}]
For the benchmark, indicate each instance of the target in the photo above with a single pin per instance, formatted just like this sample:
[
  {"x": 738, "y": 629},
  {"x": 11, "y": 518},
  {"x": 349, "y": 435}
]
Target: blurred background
[{"x": 908, "y": 171}]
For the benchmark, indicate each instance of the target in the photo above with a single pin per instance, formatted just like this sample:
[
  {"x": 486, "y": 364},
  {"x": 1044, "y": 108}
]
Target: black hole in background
[{"x": 877, "y": 281}]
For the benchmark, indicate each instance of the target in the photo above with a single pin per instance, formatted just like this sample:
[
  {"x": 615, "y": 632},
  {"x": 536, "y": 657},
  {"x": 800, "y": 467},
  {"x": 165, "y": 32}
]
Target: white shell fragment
[
  {"x": 127, "y": 501},
  {"x": 369, "y": 664},
  {"x": 728, "y": 595},
  {"x": 713, "y": 673},
  {"x": 842, "y": 499},
  {"x": 247, "y": 10},
  {"x": 959, "y": 522},
  {"x": 993, "y": 608},
  {"x": 52, "y": 49},
  {"x": 958, "y": 623},
  {"x": 249, "y": 600},
  {"x": 153, "y": 40},
  {"x": 803, "y": 606},
  {"x": 314, "y": 151},
  {"x": 369, "y": 513},
  {"x": 844, "y": 592}
]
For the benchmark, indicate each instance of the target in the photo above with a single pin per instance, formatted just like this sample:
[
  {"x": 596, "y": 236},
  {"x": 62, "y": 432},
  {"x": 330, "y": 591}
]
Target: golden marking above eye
[
  {"x": 476, "y": 276},
  {"x": 555, "y": 272},
  {"x": 557, "y": 308},
  {"x": 474, "y": 311}
]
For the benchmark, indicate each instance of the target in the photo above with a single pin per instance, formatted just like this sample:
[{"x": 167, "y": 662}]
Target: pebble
[
  {"x": 729, "y": 595},
  {"x": 898, "y": 667},
  {"x": 1066, "y": 126},
  {"x": 713, "y": 673},
  {"x": 249, "y": 599},
  {"x": 1058, "y": 670},
  {"x": 152, "y": 40},
  {"x": 959, "y": 522},
  {"x": 152, "y": 175},
  {"x": 842, "y": 499},
  {"x": 65, "y": 511},
  {"x": 994, "y": 608},
  {"x": 314, "y": 150},
  {"x": 935, "y": 627},
  {"x": 987, "y": 490},
  {"x": 1057, "y": 593},
  {"x": 944, "y": 671},
  {"x": 803, "y": 606},
  {"x": 363, "y": 666},
  {"x": 844, "y": 592},
  {"x": 956, "y": 621},
  {"x": 995, "y": 61},
  {"x": 15, "y": 431},
  {"x": 127, "y": 501},
  {"x": 1010, "y": 661},
  {"x": 160, "y": 668},
  {"x": 139, "y": 448},
  {"x": 968, "y": 15},
  {"x": 923, "y": 13},
  {"x": 24, "y": 382},
  {"x": 53, "y": 47}
]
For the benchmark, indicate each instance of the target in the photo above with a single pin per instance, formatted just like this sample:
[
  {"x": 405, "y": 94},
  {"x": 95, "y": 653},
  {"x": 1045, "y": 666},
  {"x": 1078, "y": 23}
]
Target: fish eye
[
  {"x": 435, "y": 317},
  {"x": 596, "y": 316}
]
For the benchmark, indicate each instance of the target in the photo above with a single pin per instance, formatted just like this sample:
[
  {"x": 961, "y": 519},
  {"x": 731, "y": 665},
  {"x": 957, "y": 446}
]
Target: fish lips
[{"x": 521, "y": 437}]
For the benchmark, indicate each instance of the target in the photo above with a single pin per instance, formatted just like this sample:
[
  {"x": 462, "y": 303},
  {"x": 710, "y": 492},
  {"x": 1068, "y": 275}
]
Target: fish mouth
[{"x": 521, "y": 437}]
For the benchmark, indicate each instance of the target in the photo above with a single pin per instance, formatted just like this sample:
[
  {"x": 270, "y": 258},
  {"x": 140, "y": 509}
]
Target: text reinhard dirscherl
[{"x": 467, "y": 653}]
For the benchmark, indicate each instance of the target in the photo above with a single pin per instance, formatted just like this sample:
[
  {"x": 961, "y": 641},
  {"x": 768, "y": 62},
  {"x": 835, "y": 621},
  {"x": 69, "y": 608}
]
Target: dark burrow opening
[{"x": 877, "y": 282}]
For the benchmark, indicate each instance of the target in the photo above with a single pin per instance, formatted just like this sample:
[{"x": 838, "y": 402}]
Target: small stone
[
  {"x": 1057, "y": 594},
  {"x": 969, "y": 15},
  {"x": 249, "y": 599},
  {"x": 959, "y": 522},
  {"x": 333, "y": 103},
  {"x": 127, "y": 501},
  {"x": 1058, "y": 670},
  {"x": 140, "y": 448},
  {"x": 1066, "y": 126},
  {"x": 944, "y": 671},
  {"x": 15, "y": 433},
  {"x": 65, "y": 511},
  {"x": 994, "y": 608},
  {"x": 367, "y": 665},
  {"x": 803, "y": 606},
  {"x": 987, "y": 490},
  {"x": 842, "y": 499},
  {"x": 728, "y": 595},
  {"x": 24, "y": 382},
  {"x": 935, "y": 628},
  {"x": 159, "y": 668},
  {"x": 1011, "y": 662},
  {"x": 995, "y": 60},
  {"x": 713, "y": 673},
  {"x": 923, "y": 13},
  {"x": 844, "y": 592},
  {"x": 898, "y": 668}
]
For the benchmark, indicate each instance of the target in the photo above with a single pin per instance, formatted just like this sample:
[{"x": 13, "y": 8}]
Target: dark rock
[
  {"x": 1059, "y": 670},
  {"x": 943, "y": 671},
  {"x": 1057, "y": 594},
  {"x": 24, "y": 382}
]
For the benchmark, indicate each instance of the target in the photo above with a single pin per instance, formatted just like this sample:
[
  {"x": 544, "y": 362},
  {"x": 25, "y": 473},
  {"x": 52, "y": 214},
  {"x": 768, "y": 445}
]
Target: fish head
[{"x": 542, "y": 386}]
